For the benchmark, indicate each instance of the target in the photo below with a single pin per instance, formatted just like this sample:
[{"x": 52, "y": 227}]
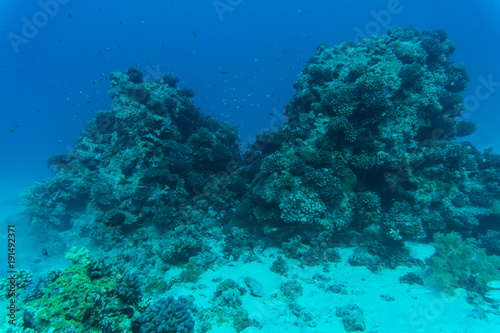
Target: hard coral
[
  {"x": 152, "y": 149},
  {"x": 166, "y": 315},
  {"x": 380, "y": 117}
]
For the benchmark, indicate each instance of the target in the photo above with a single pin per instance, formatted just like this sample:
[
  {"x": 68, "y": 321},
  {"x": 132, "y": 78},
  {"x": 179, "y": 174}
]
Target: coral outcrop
[
  {"x": 141, "y": 162},
  {"x": 369, "y": 145}
]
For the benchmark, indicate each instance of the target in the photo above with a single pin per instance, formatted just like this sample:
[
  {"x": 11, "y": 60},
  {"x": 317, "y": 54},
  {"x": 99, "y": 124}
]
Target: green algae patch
[{"x": 72, "y": 299}]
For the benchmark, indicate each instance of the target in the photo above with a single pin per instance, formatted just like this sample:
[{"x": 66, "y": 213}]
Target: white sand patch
[
  {"x": 420, "y": 251},
  {"x": 413, "y": 308}
]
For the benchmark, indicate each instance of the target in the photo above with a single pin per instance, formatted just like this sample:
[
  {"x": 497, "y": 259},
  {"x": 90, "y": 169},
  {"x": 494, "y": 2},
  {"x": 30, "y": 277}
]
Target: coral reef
[
  {"x": 166, "y": 315},
  {"x": 139, "y": 162},
  {"x": 367, "y": 159},
  {"x": 129, "y": 288},
  {"x": 96, "y": 296},
  {"x": 228, "y": 294},
  {"x": 70, "y": 299},
  {"x": 369, "y": 146}
]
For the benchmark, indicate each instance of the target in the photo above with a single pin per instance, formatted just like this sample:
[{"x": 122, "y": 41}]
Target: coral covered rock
[
  {"x": 368, "y": 144},
  {"x": 166, "y": 315},
  {"x": 140, "y": 161}
]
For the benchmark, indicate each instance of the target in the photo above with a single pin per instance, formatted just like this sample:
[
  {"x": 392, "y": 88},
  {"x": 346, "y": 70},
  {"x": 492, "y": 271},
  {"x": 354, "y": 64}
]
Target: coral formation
[
  {"x": 152, "y": 150},
  {"x": 167, "y": 315},
  {"x": 70, "y": 299},
  {"x": 90, "y": 297},
  {"x": 377, "y": 155},
  {"x": 352, "y": 317}
]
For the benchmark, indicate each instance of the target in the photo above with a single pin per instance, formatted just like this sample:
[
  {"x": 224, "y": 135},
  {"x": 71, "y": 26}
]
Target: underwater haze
[{"x": 250, "y": 166}]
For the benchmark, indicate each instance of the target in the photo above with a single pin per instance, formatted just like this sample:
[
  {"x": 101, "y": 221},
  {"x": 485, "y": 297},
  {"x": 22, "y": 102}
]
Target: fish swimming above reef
[
  {"x": 13, "y": 128},
  {"x": 115, "y": 220},
  {"x": 495, "y": 284},
  {"x": 45, "y": 253},
  {"x": 495, "y": 292}
]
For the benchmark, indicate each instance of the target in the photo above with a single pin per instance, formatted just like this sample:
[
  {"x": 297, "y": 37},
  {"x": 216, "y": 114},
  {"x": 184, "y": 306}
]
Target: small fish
[
  {"x": 116, "y": 220},
  {"x": 493, "y": 294},
  {"x": 495, "y": 284},
  {"x": 418, "y": 291},
  {"x": 37, "y": 261},
  {"x": 45, "y": 253},
  {"x": 14, "y": 128}
]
